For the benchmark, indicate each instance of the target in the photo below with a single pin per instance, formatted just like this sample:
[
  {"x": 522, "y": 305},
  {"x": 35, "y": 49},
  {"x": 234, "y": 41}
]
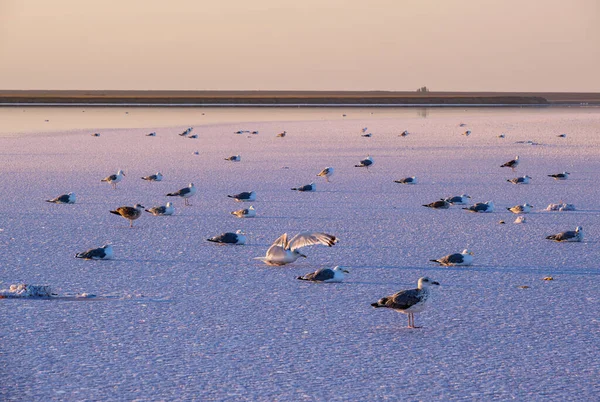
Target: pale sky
[{"x": 447, "y": 45}]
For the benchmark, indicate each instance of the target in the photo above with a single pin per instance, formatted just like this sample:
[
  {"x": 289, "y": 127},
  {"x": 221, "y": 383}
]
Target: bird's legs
[
  {"x": 411, "y": 321},
  {"x": 130, "y": 223},
  {"x": 186, "y": 202}
]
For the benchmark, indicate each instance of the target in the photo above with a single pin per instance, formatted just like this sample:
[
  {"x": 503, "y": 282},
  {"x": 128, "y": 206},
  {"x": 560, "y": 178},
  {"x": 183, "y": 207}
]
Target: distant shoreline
[{"x": 293, "y": 98}]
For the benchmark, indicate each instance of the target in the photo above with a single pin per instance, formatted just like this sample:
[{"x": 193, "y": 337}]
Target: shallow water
[
  {"x": 18, "y": 120},
  {"x": 179, "y": 318}
]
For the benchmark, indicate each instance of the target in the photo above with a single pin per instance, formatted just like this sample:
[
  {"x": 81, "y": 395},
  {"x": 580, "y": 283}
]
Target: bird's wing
[
  {"x": 322, "y": 275},
  {"x": 403, "y": 299},
  {"x": 308, "y": 239},
  {"x": 93, "y": 253},
  {"x": 126, "y": 210},
  {"x": 453, "y": 258},
  {"x": 282, "y": 241}
]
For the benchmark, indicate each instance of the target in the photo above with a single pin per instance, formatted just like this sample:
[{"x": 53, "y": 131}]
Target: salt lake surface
[{"x": 177, "y": 317}]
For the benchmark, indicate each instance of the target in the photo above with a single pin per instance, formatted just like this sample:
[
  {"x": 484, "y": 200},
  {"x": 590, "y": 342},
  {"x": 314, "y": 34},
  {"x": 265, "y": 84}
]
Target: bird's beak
[
  {"x": 435, "y": 283},
  {"x": 302, "y": 255},
  {"x": 346, "y": 271}
]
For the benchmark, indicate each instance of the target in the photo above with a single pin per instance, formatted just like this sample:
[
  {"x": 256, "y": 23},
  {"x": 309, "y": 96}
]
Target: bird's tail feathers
[{"x": 115, "y": 212}]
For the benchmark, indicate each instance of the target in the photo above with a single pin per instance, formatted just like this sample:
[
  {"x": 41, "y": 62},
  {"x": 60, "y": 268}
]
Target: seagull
[
  {"x": 284, "y": 251},
  {"x": 327, "y": 173},
  {"x": 234, "y": 158},
  {"x": 407, "y": 180},
  {"x": 404, "y": 133},
  {"x": 103, "y": 253},
  {"x": 464, "y": 258},
  {"x": 520, "y": 180},
  {"x": 560, "y": 176},
  {"x": 154, "y": 177},
  {"x": 96, "y": 135},
  {"x": 368, "y": 135},
  {"x": 152, "y": 134},
  {"x": 409, "y": 301},
  {"x": 562, "y": 136},
  {"x": 162, "y": 210},
  {"x": 64, "y": 199},
  {"x": 184, "y": 193},
  {"x": 306, "y": 187},
  {"x": 282, "y": 134},
  {"x": 458, "y": 199},
  {"x": 229, "y": 238},
  {"x": 512, "y": 163},
  {"x": 502, "y": 135},
  {"x": 326, "y": 275},
  {"x": 520, "y": 219},
  {"x": 368, "y": 161},
  {"x": 467, "y": 133},
  {"x": 481, "y": 207},
  {"x": 561, "y": 207},
  {"x": 113, "y": 179},
  {"x": 364, "y": 129},
  {"x": 521, "y": 209},
  {"x": 441, "y": 204},
  {"x": 245, "y": 213},
  {"x": 129, "y": 213},
  {"x": 244, "y": 196},
  {"x": 193, "y": 136},
  {"x": 570, "y": 235}
]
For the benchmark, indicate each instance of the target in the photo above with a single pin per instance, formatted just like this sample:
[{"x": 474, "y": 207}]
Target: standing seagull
[
  {"x": 162, "y": 210},
  {"x": 244, "y": 196},
  {"x": 129, "y": 213},
  {"x": 64, "y": 199},
  {"x": 325, "y": 275},
  {"x": 560, "y": 176},
  {"x": 184, "y": 193},
  {"x": 229, "y": 238},
  {"x": 464, "y": 258},
  {"x": 284, "y": 252},
  {"x": 103, "y": 253},
  {"x": 512, "y": 163},
  {"x": 368, "y": 161},
  {"x": 327, "y": 173},
  {"x": 570, "y": 235},
  {"x": 234, "y": 158},
  {"x": 154, "y": 177},
  {"x": 113, "y": 179},
  {"x": 409, "y": 301}
]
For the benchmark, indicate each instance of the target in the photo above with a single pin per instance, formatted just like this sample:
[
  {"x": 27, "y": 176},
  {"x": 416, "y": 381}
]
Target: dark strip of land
[{"x": 295, "y": 98}]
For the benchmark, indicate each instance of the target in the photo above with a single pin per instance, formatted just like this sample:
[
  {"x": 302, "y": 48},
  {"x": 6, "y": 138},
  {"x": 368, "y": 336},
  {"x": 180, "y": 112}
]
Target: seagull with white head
[{"x": 409, "y": 301}]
